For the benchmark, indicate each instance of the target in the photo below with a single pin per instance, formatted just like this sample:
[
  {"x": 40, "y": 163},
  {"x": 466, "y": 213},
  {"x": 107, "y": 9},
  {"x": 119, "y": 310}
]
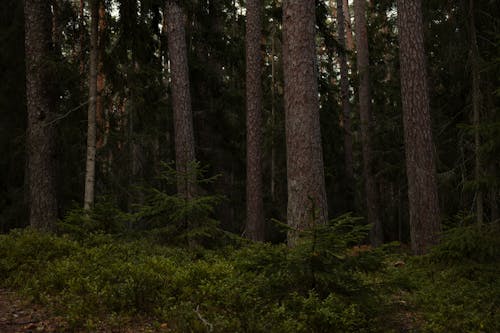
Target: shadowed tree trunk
[
  {"x": 89, "y": 196},
  {"x": 101, "y": 78},
  {"x": 306, "y": 182},
  {"x": 255, "y": 227},
  {"x": 425, "y": 224},
  {"x": 181, "y": 99},
  {"x": 476, "y": 113},
  {"x": 41, "y": 130},
  {"x": 346, "y": 106},
  {"x": 371, "y": 197}
]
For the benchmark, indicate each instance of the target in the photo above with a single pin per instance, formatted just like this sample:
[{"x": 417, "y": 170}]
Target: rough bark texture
[
  {"x": 348, "y": 26},
  {"x": 181, "y": 99},
  {"x": 344, "y": 92},
  {"x": 307, "y": 203},
  {"x": 255, "y": 228},
  {"x": 41, "y": 130},
  {"x": 88, "y": 201},
  {"x": 476, "y": 113},
  {"x": 371, "y": 196},
  {"x": 425, "y": 225}
]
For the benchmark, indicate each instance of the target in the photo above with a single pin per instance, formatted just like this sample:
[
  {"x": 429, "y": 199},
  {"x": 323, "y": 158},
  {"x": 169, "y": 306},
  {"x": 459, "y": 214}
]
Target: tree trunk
[
  {"x": 101, "y": 78},
  {"x": 348, "y": 26},
  {"x": 425, "y": 224},
  {"x": 41, "y": 130},
  {"x": 181, "y": 100},
  {"x": 255, "y": 228},
  {"x": 476, "y": 112},
  {"x": 88, "y": 202},
  {"x": 372, "y": 207},
  {"x": 307, "y": 203},
  {"x": 346, "y": 106}
]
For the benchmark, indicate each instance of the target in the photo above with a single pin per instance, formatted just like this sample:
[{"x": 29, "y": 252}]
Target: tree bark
[
  {"x": 41, "y": 129},
  {"x": 425, "y": 224},
  {"x": 255, "y": 228},
  {"x": 348, "y": 26},
  {"x": 346, "y": 105},
  {"x": 101, "y": 78},
  {"x": 371, "y": 197},
  {"x": 181, "y": 100},
  {"x": 89, "y": 196},
  {"x": 307, "y": 203},
  {"x": 476, "y": 113}
]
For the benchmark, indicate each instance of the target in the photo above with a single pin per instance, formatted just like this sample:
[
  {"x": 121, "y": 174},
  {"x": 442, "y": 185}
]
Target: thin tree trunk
[
  {"x": 346, "y": 106},
  {"x": 255, "y": 205},
  {"x": 425, "y": 224},
  {"x": 88, "y": 202},
  {"x": 476, "y": 110},
  {"x": 41, "y": 130},
  {"x": 273, "y": 116},
  {"x": 81, "y": 20},
  {"x": 101, "y": 78},
  {"x": 365, "y": 113},
  {"x": 307, "y": 203},
  {"x": 181, "y": 100}
]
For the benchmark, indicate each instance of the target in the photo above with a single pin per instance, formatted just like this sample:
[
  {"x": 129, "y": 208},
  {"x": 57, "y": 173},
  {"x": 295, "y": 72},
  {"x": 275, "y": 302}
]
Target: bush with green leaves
[{"x": 248, "y": 288}]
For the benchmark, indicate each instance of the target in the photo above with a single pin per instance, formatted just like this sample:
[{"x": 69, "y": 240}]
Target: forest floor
[{"x": 19, "y": 315}]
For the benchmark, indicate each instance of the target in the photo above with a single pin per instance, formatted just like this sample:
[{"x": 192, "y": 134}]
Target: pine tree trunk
[
  {"x": 88, "y": 202},
  {"x": 425, "y": 224},
  {"x": 41, "y": 129},
  {"x": 371, "y": 197},
  {"x": 346, "y": 106},
  {"x": 307, "y": 203},
  {"x": 348, "y": 26},
  {"x": 101, "y": 78},
  {"x": 476, "y": 113},
  {"x": 255, "y": 227},
  {"x": 181, "y": 99}
]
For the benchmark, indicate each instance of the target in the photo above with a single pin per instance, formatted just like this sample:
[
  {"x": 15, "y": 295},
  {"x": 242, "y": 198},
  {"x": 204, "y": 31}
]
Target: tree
[
  {"x": 307, "y": 203},
  {"x": 425, "y": 224},
  {"x": 89, "y": 196},
  {"x": 371, "y": 197},
  {"x": 181, "y": 99},
  {"x": 344, "y": 92},
  {"x": 476, "y": 112},
  {"x": 41, "y": 130},
  {"x": 255, "y": 227}
]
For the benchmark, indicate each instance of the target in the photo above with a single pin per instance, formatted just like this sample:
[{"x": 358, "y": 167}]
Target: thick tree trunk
[
  {"x": 255, "y": 228},
  {"x": 476, "y": 113},
  {"x": 372, "y": 206},
  {"x": 41, "y": 130},
  {"x": 307, "y": 203},
  {"x": 346, "y": 106},
  {"x": 425, "y": 224},
  {"x": 181, "y": 99},
  {"x": 89, "y": 196},
  {"x": 348, "y": 26}
]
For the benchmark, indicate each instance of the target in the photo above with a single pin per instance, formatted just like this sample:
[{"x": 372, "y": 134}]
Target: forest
[{"x": 249, "y": 166}]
